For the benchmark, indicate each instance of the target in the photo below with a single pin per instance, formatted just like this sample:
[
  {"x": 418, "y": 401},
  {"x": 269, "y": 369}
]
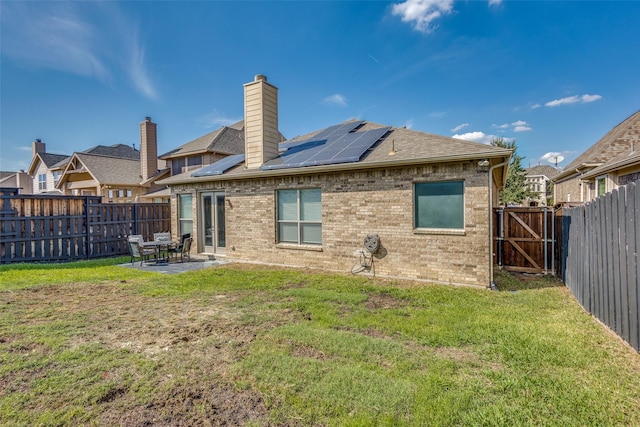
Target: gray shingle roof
[
  {"x": 611, "y": 145},
  {"x": 112, "y": 170},
  {"x": 546, "y": 170},
  {"x": 629, "y": 158},
  {"x": 51, "y": 159},
  {"x": 117, "y": 150},
  {"x": 226, "y": 140}
]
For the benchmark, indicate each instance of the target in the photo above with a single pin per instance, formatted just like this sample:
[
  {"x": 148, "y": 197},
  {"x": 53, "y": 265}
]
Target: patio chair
[
  {"x": 177, "y": 249},
  {"x": 164, "y": 237},
  {"x": 134, "y": 242},
  {"x": 185, "y": 250}
]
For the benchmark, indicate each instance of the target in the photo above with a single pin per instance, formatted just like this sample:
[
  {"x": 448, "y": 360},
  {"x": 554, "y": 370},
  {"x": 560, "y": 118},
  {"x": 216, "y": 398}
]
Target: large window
[
  {"x": 439, "y": 205},
  {"x": 300, "y": 216},
  {"x": 185, "y": 213},
  {"x": 42, "y": 182}
]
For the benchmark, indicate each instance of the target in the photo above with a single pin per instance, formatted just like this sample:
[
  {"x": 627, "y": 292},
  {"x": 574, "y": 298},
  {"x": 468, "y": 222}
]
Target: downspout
[{"x": 492, "y": 283}]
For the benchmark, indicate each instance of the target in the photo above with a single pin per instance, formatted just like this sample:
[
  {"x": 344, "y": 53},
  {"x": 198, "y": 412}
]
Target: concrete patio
[{"x": 175, "y": 267}]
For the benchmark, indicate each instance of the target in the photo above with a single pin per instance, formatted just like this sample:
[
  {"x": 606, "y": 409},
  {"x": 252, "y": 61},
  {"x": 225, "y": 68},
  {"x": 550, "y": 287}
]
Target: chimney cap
[
  {"x": 38, "y": 140},
  {"x": 260, "y": 77},
  {"x": 147, "y": 119}
]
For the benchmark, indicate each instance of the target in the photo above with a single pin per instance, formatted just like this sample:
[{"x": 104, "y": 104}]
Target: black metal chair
[
  {"x": 185, "y": 251},
  {"x": 177, "y": 249}
]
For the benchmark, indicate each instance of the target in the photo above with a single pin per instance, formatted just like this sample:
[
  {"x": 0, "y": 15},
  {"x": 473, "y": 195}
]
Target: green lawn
[{"x": 94, "y": 343}]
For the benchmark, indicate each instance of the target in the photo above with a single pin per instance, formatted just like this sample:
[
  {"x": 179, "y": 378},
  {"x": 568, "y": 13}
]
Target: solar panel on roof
[
  {"x": 219, "y": 167},
  {"x": 330, "y": 132},
  {"x": 339, "y": 147},
  {"x": 338, "y": 130}
]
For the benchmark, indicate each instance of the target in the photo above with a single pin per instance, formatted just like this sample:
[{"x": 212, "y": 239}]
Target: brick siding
[{"x": 355, "y": 204}]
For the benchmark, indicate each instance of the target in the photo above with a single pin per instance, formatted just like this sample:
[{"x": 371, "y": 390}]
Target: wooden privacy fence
[
  {"x": 63, "y": 228},
  {"x": 524, "y": 239},
  {"x": 599, "y": 259}
]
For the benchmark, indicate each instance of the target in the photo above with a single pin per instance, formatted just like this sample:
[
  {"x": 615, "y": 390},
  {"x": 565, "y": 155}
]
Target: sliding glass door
[{"x": 212, "y": 225}]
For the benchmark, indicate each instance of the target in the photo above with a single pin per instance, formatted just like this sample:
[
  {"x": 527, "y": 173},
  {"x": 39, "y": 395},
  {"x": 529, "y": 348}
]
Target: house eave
[
  {"x": 257, "y": 173},
  {"x": 570, "y": 173},
  {"x": 604, "y": 169}
]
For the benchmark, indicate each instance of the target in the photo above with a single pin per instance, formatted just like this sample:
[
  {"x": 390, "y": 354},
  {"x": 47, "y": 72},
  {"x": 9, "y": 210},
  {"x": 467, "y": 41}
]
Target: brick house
[
  {"x": 311, "y": 200},
  {"x": 577, "y": 182},
  {"x": 118, "y": 173}
]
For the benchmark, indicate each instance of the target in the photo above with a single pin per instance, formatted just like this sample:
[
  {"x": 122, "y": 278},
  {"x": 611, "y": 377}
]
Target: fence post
[
  {"x": 87, "y": 232},
  {"x": 134, "y": 218}
]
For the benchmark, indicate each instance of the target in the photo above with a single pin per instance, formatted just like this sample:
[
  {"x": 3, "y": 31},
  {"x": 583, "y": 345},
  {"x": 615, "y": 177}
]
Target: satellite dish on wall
[{"x": 555, "y": 159}]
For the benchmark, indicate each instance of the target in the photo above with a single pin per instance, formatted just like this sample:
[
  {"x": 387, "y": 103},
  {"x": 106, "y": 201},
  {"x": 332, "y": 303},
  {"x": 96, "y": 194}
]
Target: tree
[{"x": 516, "y": 188}]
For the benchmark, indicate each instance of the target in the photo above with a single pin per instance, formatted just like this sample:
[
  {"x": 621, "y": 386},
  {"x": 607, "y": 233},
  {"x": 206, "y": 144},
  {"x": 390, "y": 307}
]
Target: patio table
[{"x": 157, "y": 245}]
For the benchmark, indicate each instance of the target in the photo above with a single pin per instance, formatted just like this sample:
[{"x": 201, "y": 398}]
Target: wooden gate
[{"x": 524, "y": 239}]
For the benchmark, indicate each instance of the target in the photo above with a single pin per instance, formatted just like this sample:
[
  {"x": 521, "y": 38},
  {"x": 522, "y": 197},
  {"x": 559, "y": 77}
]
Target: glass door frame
[{"x": 217, "y": 235}]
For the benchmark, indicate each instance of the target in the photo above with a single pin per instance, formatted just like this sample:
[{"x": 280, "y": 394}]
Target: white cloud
[
  {"x": 536, "y": 106},
  {"x": 87, "y": 39},
  {"x": 422, "y": 13},
  {"x": 521, "y": 126},
  {"x": 438, "y": 114},
  {"x": 495, "y": 2},
  {"x": 575, "y": 99},
  {"x": 409, "y": 124},
  {"x": 138, "y": 72},
  {"x": 215, "y": 119},
  {"x": 550, "y": 155},
  {"x": 336, "y": 99},
  {"x": 475, "y": 137},
  {"x": 555, "y": 157},
  {"x": 460, "y": 127},
  {"x": 590, "y": 98},
  {"x": 517, "y": 126}
]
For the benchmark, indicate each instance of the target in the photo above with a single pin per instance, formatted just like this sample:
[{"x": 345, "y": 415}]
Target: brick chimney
[
  {"x": 261, "y": 136},
  {"x": 148, "y": 149},
  {"x": 38, "y": 146}
]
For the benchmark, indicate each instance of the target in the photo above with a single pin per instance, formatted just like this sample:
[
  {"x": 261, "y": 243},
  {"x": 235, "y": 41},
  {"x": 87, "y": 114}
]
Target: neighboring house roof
[
  {"x": 615, "y": 142},
  {"x": 226, "y": 140},
  {"x": 116, "y": 150},
  {"x": 105, "y": 169},
  {"x": 164, "y": 192},
  {"x": 629, "y": 158},
  {"x": 409, "y": 147},
  {"x": 156, "y": 176},
  {"x": 51, "y": 161},
  {"x": 544, "y": 170},
  {"x": 112, "y": 170}
]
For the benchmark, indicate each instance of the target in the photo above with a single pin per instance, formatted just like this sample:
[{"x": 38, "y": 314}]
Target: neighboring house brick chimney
[
  {"x": 148, "y": 149},
  {"x": 38, "y": 146},
  {"x": 261, "y": 136}
]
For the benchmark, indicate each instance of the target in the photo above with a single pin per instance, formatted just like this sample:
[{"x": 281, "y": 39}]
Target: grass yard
[{"x": 93, "y": 343}]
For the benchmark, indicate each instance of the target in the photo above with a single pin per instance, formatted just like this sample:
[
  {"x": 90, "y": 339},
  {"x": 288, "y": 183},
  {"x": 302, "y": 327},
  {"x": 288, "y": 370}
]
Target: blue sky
[{"x": 555, "y": 76}]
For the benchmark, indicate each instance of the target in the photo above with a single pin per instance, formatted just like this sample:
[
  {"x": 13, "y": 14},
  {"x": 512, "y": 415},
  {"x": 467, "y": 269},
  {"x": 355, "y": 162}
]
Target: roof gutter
[{"x": 492, "y": 283}]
